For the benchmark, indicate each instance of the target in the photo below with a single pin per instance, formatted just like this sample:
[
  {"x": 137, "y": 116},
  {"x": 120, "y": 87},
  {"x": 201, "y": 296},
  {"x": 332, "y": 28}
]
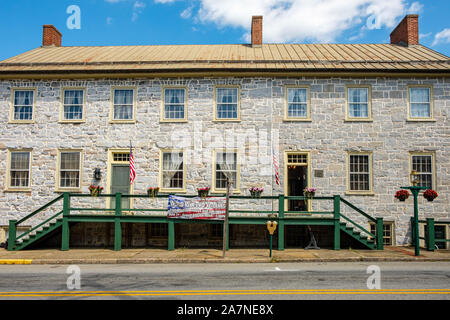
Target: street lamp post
[{"x": 415, "y": 189}]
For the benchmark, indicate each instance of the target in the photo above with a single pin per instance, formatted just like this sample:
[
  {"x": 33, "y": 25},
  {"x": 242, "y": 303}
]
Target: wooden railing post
[
  {"x": 379, "y": 234},
  {"x": 430, "y": 234},
  {"x": 117, "y": 224},
  {"x": 65, "y": 237},
  {"x": 12, "y": 235},
  {"x": 281, "y": 222},
  {"x": 337, "y": 220}
]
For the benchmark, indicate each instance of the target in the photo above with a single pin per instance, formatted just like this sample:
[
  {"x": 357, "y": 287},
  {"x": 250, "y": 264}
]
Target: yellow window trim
[
  {"x": 58, "y": 166},
  {"x": 392, "y": 226},
  {"x": 8, "y": 187},
  {"x": 61, "y": 106},
  {"x": 111, "y": 162},
  {"x": 160, "y": 178},
  {"x": 163, "y": 99},
  {"x": 111, "y": 110},
  {"x": 308, "y": 103},
  {"x": 11, "y": 108},
  {"x": 238, "y": 171},
  {"x": 433, "y": 165},
  {"x": 238, "y": 119},
  {"x": 369, "y": 103},
  {"x": 369, "y": 192},
  {"x": 408, "y": 102}
]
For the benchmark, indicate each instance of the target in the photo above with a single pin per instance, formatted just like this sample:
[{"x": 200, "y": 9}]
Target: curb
[
  {"x": 219, "y": 260},
  {"x": 16, "y": 261}
]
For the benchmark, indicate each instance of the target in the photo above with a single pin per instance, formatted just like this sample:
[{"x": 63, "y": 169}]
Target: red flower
[
  {"x": 402, "y": 194},
  {"x": 430, "y": 194}
]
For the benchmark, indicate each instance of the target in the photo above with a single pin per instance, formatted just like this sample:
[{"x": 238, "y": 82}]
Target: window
[
  {"x": 423, "y": 164},
  {"x": 121, "y": 157},
  {"x": 172, "y": 170},
  {"x": 388, "y": 232},
  {"x": 297, "y": 103},
  {"x": 174, "y": 104},
  {"x": 225, "y": 166},
  {"x": 358, "y": 103},
  {"x": 420, "y": 103},
  {"x": 123, "y": 105},
  {"x": 73, "y": 101},
  {"x": 359, "y": 173},
  {"x": 19, "y": 169},
  {"x": 227, "y": 105},
  {"x": 69, "y": 169},
  {"x": 23, "y": 105}
]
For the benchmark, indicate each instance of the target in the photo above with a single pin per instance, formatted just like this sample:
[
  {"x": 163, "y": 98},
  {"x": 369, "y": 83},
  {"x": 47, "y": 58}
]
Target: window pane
[
  {"x": 227, "y": 103},
  {"x": 173, "y": 173},
  {"x": 23, "y": 105},
  {"x": 70, "y": 160},
  {"x": 226, "y": 166},
  {"x": 359, "y": 173},
  {"x": 69, "y": 179},
  {"x": 358, "y": 102},
  {"x": 297, "y": 95},
  {"x": 420, "y": 110},
  {"x": 419, "y": 95},
  {"x": 73, "y": 104},
  {"x": 357, "y": 95},
  {"x": 19, "y": 171},
  {"x": 123, "y": 104},
  {"x": 423, "y": 165}
]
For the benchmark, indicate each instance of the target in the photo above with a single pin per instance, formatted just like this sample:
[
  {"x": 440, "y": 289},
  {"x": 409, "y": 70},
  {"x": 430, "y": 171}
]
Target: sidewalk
[{"x": 131, "y": 256}]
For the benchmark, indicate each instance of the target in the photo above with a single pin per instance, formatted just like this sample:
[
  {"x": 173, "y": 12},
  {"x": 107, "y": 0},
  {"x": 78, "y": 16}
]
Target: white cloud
[
  {"x": 187, "y": 13},
  {"x": 138, "y": 6},
  {"x": 303, "y": 20},
  {"x": 442, "y": 37}
]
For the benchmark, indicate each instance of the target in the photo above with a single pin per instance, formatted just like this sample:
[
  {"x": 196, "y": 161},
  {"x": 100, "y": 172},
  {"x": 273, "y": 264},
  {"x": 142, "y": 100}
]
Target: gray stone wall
[{"x": 328, "y": 137}]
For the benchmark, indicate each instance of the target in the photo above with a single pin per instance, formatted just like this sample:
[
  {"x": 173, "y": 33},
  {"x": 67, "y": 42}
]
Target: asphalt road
[{"x": 299, "y": 281}]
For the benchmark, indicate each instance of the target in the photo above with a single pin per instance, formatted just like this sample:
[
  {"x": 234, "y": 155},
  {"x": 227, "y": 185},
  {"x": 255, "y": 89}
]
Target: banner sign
[{"x": 211, "y": 208}]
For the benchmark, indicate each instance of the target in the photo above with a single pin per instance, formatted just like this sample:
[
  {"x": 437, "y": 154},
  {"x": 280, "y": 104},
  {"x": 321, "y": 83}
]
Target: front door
[{"x": 120, "y": 182}]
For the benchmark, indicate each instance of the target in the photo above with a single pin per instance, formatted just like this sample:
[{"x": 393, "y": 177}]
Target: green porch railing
[
  {"x": 430, "y": 232},
  {"x": 116, "y": 216}
]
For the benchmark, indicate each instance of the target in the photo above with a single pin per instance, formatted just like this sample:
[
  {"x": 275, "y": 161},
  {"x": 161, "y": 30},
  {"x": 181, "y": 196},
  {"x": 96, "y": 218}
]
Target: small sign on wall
[{"x": 318, "y": 173}]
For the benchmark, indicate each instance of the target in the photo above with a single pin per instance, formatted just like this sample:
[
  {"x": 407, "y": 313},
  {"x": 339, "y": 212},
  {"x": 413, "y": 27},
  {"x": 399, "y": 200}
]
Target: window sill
[
  {"x": 71, "y": 121},
  {"x": 358, "y": 120},
  {"x": 227, "y": 120},
  {"x": 122, "y": 121},
  {"x": 68, "y": 190},
  {"x": 297, "y": 120},
  {"x": 172, "y": 190},
  {"x": 21, "y": 121},
  {"x": 224, "y": 191},
  {"x": 173, "y": 121},
  {"x": 353, "y": 193},
  {"x": 11, "y": 190},
  {"x": 421, "y": 120}
]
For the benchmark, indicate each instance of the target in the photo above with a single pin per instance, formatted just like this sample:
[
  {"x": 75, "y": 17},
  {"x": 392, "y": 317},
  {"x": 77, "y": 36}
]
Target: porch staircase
[
  {"x": 40, "y": 233},
  {"x": 369, "y": 243}
]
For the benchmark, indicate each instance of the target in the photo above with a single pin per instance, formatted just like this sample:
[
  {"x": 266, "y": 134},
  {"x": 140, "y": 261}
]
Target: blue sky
[{"x": 147, "y": 22}]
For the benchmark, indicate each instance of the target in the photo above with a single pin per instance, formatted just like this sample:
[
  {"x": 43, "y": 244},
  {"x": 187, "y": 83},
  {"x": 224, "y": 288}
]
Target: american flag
[
  {"x": 275, "y": 164},
  {"x": 132, "y": 168}
]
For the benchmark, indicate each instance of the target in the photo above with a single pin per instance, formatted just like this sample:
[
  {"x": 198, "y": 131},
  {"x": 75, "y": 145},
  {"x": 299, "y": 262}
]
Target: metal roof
[{"x": 232, "y": 57}]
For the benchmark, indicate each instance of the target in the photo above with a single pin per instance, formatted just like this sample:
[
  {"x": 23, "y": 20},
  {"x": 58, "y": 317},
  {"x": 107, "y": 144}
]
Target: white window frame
[
  {"x": 133, "y": 105},
  {"x": 308, "y": 104},
  {"x": 12, "y": 109},
  {"x": 161, "y": 171},
  {"x": 238, "y": 104},
  {"x": 369, "y": 103},
  {"x": 59, "y": 188},
  {"x": 433, "y": 166},
  {"x": 430, "y": 88},
  {"x": 62, "y": 118},
  {"x": 163, "y": 105},
  {"x": 370, "y": 174},
  {"x": 236, "y": 188}
]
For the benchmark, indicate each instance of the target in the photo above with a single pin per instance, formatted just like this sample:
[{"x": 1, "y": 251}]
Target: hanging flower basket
[
  {"x": 256, "y": 192},
  {"x": 309, "y": 192},
  {"x": 402, "y": 195},
  {"x": 430, "y": 194},
  {"x": 152, "y": 192},
  {"x": 95, "y": 190},
  {"x": 203, "y": 192}
]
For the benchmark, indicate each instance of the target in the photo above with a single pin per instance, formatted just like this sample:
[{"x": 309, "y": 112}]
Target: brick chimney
[
  {"x": 257, "y": 31},
  {"x": 407, "y": 32},
  {"x": 51, "y": 36}
]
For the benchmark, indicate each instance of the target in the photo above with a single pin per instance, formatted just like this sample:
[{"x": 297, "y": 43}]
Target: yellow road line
[
  {"x": 15, "y": 261},
  {"x": 228, "y": 292}
]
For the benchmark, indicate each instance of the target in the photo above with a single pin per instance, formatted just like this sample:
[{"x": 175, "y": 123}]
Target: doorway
[
  {"x": 119, "y": 177},
  {"x": 297, "y": 179}
]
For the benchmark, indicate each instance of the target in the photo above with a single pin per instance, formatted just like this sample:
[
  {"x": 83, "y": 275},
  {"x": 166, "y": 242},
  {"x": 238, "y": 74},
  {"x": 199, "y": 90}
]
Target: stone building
[{"x": 350, "y": 120}]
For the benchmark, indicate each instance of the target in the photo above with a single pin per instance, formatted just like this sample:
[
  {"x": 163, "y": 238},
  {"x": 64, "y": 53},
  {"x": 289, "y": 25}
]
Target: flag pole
[{"x": 225, "y": 222}]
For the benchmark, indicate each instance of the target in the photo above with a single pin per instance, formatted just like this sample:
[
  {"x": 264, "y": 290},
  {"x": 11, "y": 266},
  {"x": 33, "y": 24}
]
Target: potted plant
[
  {"x": 255, "y": 192},
  {"x": 95, "y": 190},
  {"x": 430, "y": 194},
  {"x": 203, "y": 192},
  {"x": 152, "y": 192},
  {"x": 402, "y": 195},
  {"x": 309, "y": 192}
]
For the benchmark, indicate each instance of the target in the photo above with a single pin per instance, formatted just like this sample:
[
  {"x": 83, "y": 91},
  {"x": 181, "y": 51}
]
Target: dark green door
[{"x": 120, "y": 182}]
